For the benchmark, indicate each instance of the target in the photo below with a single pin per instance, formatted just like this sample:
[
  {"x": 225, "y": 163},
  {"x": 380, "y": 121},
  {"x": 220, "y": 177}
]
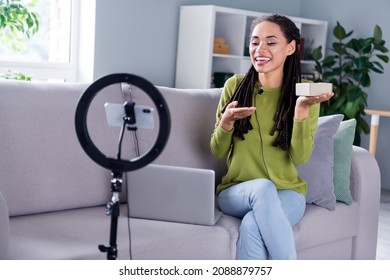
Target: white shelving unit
[{"x": 199, "y": 25}]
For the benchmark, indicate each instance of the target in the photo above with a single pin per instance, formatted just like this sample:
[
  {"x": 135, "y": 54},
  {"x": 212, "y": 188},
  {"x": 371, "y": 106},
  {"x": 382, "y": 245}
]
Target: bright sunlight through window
[{"x": 50, "y": 53}]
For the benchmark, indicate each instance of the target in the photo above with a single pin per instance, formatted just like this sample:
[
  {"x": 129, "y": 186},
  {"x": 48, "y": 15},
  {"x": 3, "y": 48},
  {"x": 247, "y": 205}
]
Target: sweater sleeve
[
  {"x": 221, "y": 139},
  {"x": 302, "y": 140}
]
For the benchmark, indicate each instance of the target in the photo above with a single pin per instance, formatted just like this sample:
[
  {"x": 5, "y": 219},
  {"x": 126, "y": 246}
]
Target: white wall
[{"x": 140, "y": 37}]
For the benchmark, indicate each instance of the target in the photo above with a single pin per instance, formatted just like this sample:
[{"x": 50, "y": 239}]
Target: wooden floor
[{"x": 383, "y": 248}]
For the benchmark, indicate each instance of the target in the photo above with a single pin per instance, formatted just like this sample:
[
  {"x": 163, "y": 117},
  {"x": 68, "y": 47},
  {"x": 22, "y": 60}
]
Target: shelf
[
  {"x": 201, "y": 24},
  {"x": 227, "y": 56}
]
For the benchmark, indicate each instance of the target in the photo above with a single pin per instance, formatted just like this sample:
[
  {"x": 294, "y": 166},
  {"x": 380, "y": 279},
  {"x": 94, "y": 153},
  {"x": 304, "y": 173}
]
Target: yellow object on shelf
[{"x": 220, "y": 47}]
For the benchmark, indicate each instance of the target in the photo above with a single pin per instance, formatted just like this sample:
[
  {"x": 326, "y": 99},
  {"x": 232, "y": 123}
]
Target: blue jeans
[{"x": 268, "y": 216}]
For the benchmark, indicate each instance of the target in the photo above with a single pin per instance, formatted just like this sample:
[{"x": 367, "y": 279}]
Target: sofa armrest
[
  {"x": 4, "y": 228},
  {"x": 365, "y": 189}
]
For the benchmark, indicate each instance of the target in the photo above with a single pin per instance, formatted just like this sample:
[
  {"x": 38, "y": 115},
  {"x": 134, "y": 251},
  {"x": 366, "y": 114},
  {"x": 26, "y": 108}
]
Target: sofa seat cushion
[
  {"x": 166, "y": 240},
  {"x": 320, "y": 226},
  {"x": 76, "y": 234}
]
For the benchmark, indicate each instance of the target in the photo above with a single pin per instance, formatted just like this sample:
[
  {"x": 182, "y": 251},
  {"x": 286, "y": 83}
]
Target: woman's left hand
[{"x": 302, "y": 107}]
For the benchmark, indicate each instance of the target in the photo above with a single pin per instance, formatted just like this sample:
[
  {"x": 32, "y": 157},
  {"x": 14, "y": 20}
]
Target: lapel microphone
[{"x": 260, "y": 91}]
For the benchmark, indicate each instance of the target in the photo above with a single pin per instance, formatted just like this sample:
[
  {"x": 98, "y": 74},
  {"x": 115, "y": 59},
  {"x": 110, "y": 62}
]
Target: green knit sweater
[{"x": 256, "y": 157}]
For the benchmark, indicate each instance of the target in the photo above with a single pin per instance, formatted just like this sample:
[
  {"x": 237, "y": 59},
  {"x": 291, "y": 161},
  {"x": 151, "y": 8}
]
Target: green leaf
[
  {"x": 327, "y": 75},
  {"x": 379, "y": 65},
  {"x": 367, "y": 46},
  {"x": 363, "y": 124},
  {"x": 339, "y": 32},
  {"x": 351, "y": 109},
  {"x": 381, "y": 48},
  {"x": 30, "y": 22},
  {"x": 358, "y": 62},
  {"x": 339, "y": 102},
  {"x": 339, "y": 48},
  {"x": 355, "y": 44},
  {"x": 365, "y": 80},
  {"x": 317, "y": 53},
  {"x": 354, "y": 93},
  {"x": 384, "y": 58},
  {"x": 318, "y": 67},
  {"x": 329, "y": 61},
  {"x": 377, "y": 33},
  {"x": 17, "y": 20},
  {"x": 349, "y": 34},
  {"x": 377, "y": 70}
]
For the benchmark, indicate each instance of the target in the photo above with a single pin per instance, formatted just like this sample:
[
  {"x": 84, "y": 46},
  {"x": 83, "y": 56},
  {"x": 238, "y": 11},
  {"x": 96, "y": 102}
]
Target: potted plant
[
  {"x": 348, "y": 68},
  {"x": 17, "y": 21}
]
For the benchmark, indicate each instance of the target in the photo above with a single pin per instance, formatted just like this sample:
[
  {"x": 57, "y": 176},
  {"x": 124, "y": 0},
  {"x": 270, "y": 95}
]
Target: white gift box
[{"x": 312, "y": 89}]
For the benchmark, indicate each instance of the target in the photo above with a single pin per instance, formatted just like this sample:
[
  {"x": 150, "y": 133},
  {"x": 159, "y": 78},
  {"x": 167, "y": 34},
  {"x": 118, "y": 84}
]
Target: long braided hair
[{"x": 284, "y": 114}]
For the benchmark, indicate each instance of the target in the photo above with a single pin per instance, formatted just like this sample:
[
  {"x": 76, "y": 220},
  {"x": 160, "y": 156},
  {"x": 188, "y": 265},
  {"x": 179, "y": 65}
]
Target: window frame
[{"x": 82, "y": 40}]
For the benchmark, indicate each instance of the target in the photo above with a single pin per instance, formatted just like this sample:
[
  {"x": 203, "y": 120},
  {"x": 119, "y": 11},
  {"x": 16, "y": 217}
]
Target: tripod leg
[
  {"x": 112, "y": 250},
  {"x": 113, "y": 210}
]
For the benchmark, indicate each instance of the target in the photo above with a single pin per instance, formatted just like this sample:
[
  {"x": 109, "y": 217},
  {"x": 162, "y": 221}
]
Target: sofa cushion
[
  {"x": 50, "y": 171},
  {"x": 76, "y": 234},
  {"x": 320, "y": 226},
  {"x": 343, "y": 143},
  {"x": 318, "y": 171}
]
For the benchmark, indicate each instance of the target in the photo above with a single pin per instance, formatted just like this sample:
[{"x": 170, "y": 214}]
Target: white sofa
[{"x": 53, "y": 196}]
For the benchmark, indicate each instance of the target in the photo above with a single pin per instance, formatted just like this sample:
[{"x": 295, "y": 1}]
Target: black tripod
[
  {"x": 113, "y": 206},
  {"x": 113, "y": 210}
]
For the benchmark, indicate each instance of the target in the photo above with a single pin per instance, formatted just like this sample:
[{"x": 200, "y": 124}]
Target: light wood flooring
[{"x": 383, "y": 247}]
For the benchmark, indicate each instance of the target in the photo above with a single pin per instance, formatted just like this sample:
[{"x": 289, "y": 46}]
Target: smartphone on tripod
[{"x": 143, "y": 115}]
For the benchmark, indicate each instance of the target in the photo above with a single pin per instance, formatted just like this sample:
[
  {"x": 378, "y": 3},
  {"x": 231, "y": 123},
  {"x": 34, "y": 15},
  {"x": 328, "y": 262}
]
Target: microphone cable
[
  {"x": 127, "y": 96},
  {"x": 122, "y": 132}
]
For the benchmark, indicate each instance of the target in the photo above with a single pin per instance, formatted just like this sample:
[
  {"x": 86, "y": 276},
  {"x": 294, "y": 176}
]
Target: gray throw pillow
[{"x": 318, "y": 171}]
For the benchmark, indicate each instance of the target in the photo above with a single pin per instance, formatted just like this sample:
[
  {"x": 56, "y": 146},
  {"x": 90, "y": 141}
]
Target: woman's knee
[
  {"x": 293, "y": 205},
  {"x": 263, "y": 189}
]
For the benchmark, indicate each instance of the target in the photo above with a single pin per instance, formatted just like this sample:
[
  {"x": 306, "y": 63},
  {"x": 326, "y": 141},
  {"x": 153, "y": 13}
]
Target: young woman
[{"x": 266, "y": 130}]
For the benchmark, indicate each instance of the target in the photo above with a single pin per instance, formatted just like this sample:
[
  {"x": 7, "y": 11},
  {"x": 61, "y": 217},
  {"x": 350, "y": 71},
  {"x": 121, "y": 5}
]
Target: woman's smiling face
[{"x": 269, "y": 48}]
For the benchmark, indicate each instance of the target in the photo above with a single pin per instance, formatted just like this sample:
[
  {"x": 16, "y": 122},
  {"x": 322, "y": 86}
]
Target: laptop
[{"x": 174, "y": 194}]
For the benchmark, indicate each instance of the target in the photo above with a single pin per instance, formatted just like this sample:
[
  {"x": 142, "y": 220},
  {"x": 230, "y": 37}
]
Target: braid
[
  {"x": 243, "y": 95},
  {"x": 284, "y": 115}
]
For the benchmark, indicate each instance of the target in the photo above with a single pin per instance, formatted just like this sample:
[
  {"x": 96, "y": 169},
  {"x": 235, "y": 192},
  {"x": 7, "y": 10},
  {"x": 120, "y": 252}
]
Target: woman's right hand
[{"x": 232, "y": 114}]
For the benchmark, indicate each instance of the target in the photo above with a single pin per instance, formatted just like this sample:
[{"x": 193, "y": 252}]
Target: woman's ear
[{"x": 291, "y": 47}]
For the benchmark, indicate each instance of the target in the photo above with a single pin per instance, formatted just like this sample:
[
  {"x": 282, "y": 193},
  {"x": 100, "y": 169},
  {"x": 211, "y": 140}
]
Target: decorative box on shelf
[{"x": 220, "y": 47}]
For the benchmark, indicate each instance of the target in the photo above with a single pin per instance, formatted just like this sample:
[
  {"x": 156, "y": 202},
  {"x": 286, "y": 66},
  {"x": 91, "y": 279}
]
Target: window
[{"x": 54, "y": 52}]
